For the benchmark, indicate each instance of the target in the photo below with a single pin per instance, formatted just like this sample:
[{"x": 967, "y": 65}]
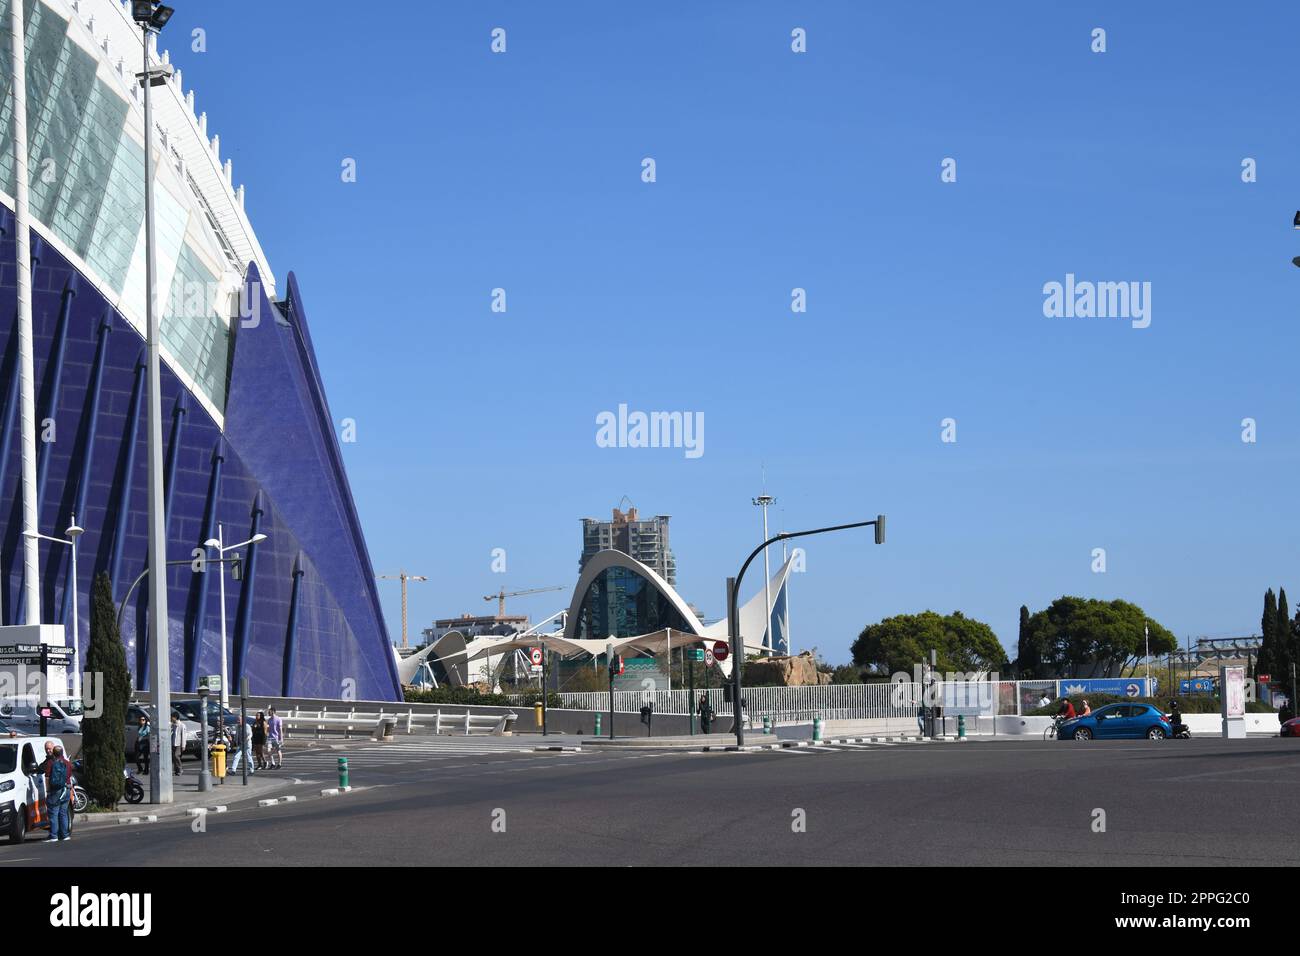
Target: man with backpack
[{"x": 58, "y": 794}]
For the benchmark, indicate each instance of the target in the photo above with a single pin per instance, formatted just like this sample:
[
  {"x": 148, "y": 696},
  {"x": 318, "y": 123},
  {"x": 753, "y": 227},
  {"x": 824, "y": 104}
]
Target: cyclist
[{"x": 1067, "y": 710}]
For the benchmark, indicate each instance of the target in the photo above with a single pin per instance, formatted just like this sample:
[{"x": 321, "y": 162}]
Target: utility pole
[
  {"x": 763, "y": 501},
  {"x": 403, "y": 577}
]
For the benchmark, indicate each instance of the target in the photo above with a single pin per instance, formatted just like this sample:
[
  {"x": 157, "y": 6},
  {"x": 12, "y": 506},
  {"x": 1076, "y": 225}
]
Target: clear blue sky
[{"x": 476, "y": 430}]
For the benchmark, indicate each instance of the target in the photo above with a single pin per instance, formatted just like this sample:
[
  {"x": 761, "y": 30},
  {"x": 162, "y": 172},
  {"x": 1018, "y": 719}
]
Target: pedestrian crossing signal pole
[
  {"x": 243, "y": 720},
  {"x": 609, "y": 658}
]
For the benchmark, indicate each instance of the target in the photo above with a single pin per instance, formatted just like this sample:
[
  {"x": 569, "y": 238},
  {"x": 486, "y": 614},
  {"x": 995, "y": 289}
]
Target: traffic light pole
[
  {"x": 609, "y": 662},
  {"x": 733, "y": 612}
]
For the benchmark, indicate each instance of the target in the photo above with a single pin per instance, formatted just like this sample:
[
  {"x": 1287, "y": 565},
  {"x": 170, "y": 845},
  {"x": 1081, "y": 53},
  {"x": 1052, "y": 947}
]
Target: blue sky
[{"x": 775, "y": 170}]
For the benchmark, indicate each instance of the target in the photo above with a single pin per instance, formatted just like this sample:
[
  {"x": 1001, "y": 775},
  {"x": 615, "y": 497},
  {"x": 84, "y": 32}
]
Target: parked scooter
[{"x": 133, "y": 789}]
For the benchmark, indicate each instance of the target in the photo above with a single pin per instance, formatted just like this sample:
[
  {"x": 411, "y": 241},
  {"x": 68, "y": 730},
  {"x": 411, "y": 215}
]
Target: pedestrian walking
[
  {"x": 244, "y": 751},
  {"x": 142, "y": 732},
  {"x": 706, "y": 713},
  {"x": 178, "y": 745},
  {"x": 58, "y": 794},
  {"x": 275, "y": 737},
  {"x": 259, "y": 741}
]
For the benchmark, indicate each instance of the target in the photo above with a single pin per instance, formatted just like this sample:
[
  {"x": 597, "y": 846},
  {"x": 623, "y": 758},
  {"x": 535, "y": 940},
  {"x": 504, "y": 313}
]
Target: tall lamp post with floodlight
[
  {"x": 221, "y": 549},
  {"x": 733, "y": 612},
  {"x": 73, "y": 532},
  {"x": 152, "y": 16},
  {"x": 763, "y": 501}
]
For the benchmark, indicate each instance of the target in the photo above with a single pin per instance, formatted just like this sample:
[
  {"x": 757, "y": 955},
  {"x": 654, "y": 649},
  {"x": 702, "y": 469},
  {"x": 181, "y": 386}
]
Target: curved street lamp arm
[{"x": 733, "y": 601}]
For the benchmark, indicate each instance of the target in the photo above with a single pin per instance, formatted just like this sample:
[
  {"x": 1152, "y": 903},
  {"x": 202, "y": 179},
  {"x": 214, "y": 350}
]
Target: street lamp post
[
  {"x": 221, "y": 550},
  {"x": 733, "y": 611},
  {"x": 763, "y": 501},
  {"x": 74, "y": 531},
  {"x": 152, "y": 16}
]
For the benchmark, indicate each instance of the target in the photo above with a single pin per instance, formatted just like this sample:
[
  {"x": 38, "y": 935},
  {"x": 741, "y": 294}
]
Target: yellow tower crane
[
  {"x": 501, "y": 596},
  {"x": 403, "y": 577}
]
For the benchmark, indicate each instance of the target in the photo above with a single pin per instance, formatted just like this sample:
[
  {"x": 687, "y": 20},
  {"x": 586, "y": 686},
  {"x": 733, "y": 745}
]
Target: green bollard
[
  {"x": 598, "y": 725},
  {"x": 343, "y": 772},
  {"x": 961, "y": 726},
  {"x": 767, "y": 723},
  {"x": 817, "y": 728}
]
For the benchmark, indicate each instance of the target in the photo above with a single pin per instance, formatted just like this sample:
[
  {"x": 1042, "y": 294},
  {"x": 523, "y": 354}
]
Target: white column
[{"x": 26, "y": 373}]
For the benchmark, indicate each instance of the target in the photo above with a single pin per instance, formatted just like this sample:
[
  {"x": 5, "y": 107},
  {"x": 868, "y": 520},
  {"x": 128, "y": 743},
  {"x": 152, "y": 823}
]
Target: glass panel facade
[
  {"x": 622, "y": 603},
  {"x": 192, "y": 330},
  {"x": 86, "y": 176}
]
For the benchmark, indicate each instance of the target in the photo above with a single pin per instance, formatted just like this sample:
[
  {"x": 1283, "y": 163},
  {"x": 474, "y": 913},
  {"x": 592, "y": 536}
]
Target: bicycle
[{"x": 1051, "y": 732}]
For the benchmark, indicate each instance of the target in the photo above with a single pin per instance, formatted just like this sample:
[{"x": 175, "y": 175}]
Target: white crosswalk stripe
[{"x": 405, "y": 751}]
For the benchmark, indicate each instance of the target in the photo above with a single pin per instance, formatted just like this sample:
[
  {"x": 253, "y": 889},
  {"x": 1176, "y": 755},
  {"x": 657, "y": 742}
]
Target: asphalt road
[{"x": 1203, "y": 802}]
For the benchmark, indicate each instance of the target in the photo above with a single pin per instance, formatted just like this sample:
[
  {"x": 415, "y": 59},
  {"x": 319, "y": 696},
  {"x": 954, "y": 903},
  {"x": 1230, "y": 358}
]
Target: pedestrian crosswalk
[
  {"x": 411, "y": 750},
  {"x": 805, "y": 749}
]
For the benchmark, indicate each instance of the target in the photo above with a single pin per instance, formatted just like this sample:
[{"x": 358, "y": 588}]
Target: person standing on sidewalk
[
  {"x": 58, "y": 795},
  {"x": 275, "y": 738},
  {"x": 178, "y": 745},
  {"x": 142, "y": 732}
]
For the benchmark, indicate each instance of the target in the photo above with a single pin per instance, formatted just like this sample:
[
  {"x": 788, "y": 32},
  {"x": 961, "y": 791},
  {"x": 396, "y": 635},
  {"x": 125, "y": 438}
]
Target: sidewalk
[{"x": 186, "y": 797}]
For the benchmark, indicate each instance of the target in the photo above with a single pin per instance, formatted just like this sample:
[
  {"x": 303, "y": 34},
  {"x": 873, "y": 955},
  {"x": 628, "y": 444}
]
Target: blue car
[{"x": 1118, "y": 721}]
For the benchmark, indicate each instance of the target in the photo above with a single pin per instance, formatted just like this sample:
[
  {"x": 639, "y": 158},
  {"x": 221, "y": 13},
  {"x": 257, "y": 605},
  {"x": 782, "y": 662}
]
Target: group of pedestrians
[{"x": 262, "y": 745}]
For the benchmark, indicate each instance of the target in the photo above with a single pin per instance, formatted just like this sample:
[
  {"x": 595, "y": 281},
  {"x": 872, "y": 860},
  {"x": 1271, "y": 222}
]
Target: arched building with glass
[{"x": 249, "y": 440}]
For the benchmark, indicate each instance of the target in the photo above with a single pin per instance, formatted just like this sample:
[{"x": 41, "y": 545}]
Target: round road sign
[{"x": 721, "y": 650}]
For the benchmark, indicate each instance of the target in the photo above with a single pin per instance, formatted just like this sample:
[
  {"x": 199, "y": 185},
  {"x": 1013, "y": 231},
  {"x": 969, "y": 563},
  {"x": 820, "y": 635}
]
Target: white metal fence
[{"x": 831, "y": 701}]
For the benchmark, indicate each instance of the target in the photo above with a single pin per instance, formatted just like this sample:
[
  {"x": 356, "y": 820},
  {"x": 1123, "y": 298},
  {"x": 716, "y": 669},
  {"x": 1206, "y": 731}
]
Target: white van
[
  {"x": 23, "y": 714},
  {"x": 22, "y": 785}
]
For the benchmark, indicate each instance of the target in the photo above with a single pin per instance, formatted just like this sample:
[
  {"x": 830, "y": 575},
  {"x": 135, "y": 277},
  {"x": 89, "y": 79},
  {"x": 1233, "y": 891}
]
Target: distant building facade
[{"x": 646, "y": 540}]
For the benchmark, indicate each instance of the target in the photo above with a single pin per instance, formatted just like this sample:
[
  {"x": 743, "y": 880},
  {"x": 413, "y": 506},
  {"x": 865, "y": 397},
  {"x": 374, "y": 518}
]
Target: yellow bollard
[
  {"x": 537, "y": 712},
  {"x": 218, "y": 760}
]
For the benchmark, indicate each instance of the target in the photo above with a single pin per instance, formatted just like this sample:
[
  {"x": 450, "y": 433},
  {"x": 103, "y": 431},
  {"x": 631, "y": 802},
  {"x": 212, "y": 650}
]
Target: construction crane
[
  {"x": 403, "y": 577},
  {"x": 501, "y": 596}
]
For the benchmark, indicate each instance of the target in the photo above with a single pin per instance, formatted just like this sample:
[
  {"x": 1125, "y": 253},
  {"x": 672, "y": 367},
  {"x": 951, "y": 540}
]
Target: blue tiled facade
[{"x": 278, "y": 454}]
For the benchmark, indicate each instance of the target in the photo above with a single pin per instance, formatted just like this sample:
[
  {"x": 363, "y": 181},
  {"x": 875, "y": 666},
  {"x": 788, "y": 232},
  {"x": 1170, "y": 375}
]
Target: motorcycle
[
  {"x": 133, "y": 789},
  {"x": 1179, "y": 730}
]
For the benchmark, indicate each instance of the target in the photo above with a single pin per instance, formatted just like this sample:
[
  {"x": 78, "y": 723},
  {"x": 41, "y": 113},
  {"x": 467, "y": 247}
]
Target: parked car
[
  {"x": 1118, "y": 721},
  {"x": 21, "y": 784},
  {"x": 134, "y": 712},
  {"x": 193, "y": 708},
  {"x": 7, "y": 731},
  {"x": 1291, "y": 728},
  {"x": 23, "y": 714}
]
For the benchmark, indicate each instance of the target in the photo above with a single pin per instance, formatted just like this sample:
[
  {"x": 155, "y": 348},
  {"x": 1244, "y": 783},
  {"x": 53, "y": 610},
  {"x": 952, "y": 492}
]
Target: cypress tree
[
  {"x": 1267, "y": 627},
  {"x": 1282, "y": 637},
  {"x": 103, "y": 742},
  {"x": 1025, "y": 657}
]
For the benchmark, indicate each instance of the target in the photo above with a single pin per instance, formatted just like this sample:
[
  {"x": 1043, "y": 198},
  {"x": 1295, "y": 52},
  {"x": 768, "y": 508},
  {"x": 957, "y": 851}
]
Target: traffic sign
[
  {"x": 695, "y": 654},
  {"x": 535, "y": 655},
  {"x": 51, "y": 650},
  {"x": 721, "y": 650},
  {"x": 708, "y": 657},
  {"x": 1133, "y": 690},
  {"x": 211, "y": 681}
]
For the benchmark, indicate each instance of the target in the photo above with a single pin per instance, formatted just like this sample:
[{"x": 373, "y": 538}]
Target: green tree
[
  {"x": 1282, "y": 654},
  {"x": 1265, "y": 662},
  {"x": 1083, "y": 637},
  {"x": 846, "y": 674},
  {"x": 1029, "y": 654},
  {"x": 103, "y": 742},
  {"x": 901, "y": 642}
]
